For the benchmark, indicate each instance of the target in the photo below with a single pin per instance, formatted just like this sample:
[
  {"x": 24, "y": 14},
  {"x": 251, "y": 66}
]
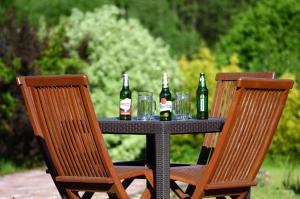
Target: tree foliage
[
  {"x": 162, "y": 19},
  {"x": 266, "y": 37},
  {"x": 182, "y": 24},
  {"x": 19, "y": 47},
  {"x": 112, "y": 45},
  {"x": 157, "y": 15},
  {"x": 211, "y": 19}
]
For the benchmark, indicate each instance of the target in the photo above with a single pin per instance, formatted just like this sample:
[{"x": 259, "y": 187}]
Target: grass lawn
[
  {"x": 276, "y": 172},
  {"x": 7, "y": 167}
]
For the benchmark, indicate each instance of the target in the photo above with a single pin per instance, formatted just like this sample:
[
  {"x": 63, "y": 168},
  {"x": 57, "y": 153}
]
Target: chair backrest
[
  {"x": 61, "y": 113},
  {"x": 225, "y": 90},
  {"x": 248, "y": 131}
]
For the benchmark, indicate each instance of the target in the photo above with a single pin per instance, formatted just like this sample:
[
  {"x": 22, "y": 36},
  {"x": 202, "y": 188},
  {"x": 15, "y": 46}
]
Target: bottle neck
[
  {"x": 125, "y": 81},
  {"x": 202, "y": 82},
  {"x": 165, "y": 81},
  {"x": 165, "y": 86}
]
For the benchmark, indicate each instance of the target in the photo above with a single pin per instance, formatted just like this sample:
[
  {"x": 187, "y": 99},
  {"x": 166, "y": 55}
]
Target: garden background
[{"x": 105, "y": 38}]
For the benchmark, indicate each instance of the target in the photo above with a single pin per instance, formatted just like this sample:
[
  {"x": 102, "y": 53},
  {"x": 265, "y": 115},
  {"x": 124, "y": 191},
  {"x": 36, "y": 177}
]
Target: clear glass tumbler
[
  {"x": 146, "y": 106},
  {"x": 182, "y": 106}
]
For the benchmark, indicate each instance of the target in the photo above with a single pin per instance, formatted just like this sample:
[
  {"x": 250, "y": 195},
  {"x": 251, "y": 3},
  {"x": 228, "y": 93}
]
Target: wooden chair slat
[
  {"x": 84, "y": 133},
  {"x": 66, "y": 141},
  {"x": 40, "y": 101},
  {"x": 79, "y": 136},
  {"x": 85, "y": 129}
]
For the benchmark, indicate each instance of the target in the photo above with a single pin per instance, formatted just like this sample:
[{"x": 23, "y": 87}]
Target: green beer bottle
[
  {"x": 202, "y": 98},
  {"x": 165, "y": 99},
  {"x": 125, "y": 100}
]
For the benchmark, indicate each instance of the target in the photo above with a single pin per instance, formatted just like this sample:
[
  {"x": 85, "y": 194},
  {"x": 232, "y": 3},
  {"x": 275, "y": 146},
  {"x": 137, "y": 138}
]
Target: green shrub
[
  {"x": 265, "y": 37},
  {"x": 55, "y": 58},
  {"x": 112, "y": 45},
  {"x": 186, "y": 148},
  {"x": 19, "y": 47},
  {"x": 286, "y": 141},
  {"x": 292, "y": 181}
]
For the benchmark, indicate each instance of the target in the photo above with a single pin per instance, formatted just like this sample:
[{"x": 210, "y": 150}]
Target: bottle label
[
  {"x": 125, "y": 106},
  {"x": 165, "y": 105},
  {"x": 202, "y": 103}
]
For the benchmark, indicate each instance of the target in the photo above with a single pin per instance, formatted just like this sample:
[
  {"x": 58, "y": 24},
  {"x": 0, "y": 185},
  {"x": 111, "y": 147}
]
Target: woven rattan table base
[{"x": 158, "y": 141}]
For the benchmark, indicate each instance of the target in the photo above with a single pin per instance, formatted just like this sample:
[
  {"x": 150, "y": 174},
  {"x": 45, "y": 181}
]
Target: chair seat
[
  {"x": 186, "y": 174},
  {"x": 85, "y": 179},
  {"x": 124, "y": 172}
]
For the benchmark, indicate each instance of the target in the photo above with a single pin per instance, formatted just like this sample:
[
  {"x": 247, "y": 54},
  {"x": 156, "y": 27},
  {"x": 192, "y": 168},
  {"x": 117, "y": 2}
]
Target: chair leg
[
  {"x": 147, "y": 193},
  {"x": 198, "y": 193},
  {"x": 87, "y": 195},
  {"x": 72, "y": 195},
  {"x": 118, "y": 192},
  {"x": 245, "y": 195},
  {"x": 127, "y": 182},
  {"x": 248, "y": 194},
  {"x": 112, "y": 196},
  {"x": 190, "y": 190},
  {"x": 177, "y": 190}
]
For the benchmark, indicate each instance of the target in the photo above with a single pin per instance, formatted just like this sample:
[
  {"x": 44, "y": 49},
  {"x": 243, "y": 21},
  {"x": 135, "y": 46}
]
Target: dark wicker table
[{"x": 158, "y": 141}]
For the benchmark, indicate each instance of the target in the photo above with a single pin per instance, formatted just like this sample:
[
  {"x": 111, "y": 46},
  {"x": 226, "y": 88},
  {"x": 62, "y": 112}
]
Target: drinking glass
[
  {"x": 146, "y": 106},
  {"x": 182, "y": 106}
]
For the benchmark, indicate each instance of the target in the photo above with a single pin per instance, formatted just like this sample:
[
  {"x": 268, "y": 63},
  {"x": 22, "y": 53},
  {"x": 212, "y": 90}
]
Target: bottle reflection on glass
[
  {"x": 202, "y": 98},
  {"x": 165, "y": 99},
  {"x": 125, "y": 100}
]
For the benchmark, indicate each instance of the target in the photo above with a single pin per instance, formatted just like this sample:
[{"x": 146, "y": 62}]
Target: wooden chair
[
  {"x": 225, "y": 89},
  {"x": 252, "y": 119},
  {"x": 64, "y": 122}
]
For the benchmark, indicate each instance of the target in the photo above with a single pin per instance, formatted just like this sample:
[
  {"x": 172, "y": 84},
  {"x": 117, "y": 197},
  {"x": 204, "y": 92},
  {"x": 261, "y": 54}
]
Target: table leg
[
  {"x": 150, "y": 157},
  {"x": 158, "y": 157},
  {"x": 162, "y": 165},
  {"x": 150, "y": 148}
]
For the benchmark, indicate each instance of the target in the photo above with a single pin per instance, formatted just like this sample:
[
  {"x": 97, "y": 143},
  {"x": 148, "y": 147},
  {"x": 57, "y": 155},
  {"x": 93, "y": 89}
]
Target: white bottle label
[
  {"x": 125, "y": 106},
  {"x": 202, "y": 103},
  {"x": 165, "y": 105}
]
